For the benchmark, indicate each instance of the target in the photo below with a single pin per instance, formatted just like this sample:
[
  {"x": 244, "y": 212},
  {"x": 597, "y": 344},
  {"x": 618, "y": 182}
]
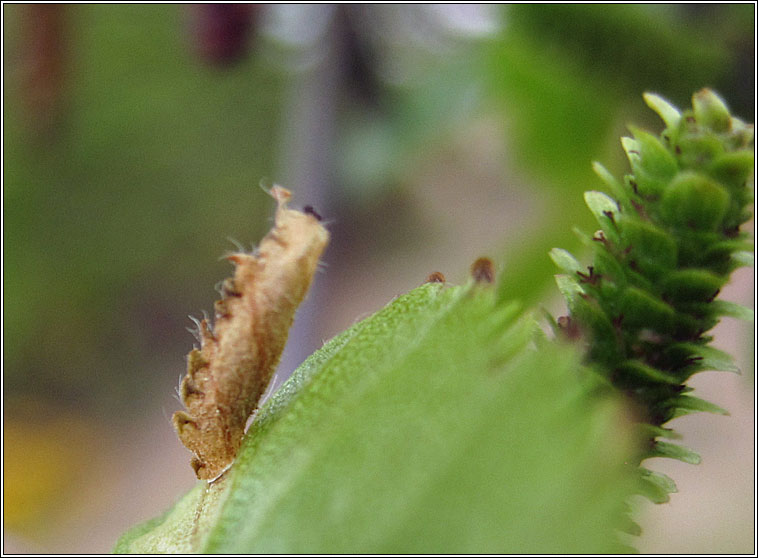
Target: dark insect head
[{"x": 309, "y": 210}]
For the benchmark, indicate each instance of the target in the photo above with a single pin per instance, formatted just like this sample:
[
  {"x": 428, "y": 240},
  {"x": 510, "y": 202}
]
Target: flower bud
[
  {"x": 695, "y": 201},
  {"x": 710, "y": 111}
]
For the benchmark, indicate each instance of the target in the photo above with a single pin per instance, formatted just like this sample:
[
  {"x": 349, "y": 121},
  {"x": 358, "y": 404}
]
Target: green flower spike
[{"x": 669, "y": 239}]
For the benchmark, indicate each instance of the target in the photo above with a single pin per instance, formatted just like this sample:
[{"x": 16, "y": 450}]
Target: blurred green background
[{"x": 135, "y": 139}]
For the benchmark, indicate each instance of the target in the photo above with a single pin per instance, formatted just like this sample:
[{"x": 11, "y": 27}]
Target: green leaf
[
  {"x": 564, "y": 260},
  {"x": 633, "y": 371},
  {"x": 711, "y": 110},
  {"x": 733, "y": 168},
  {"x": 433, "y": 426},
  {"x": 608, "y": 266},
  {"x": 650, "y": 177},
  {"x": 654, "y": 158},
  {"x": 729, "y": 248},
  {"x": 172, "y": 533},
  {"x": 656, "y": 486},
  {"x": 631, "y": 528},
  {"x": 686, "y": 404},
  {"x": 709, "y": 358},
  {"x": 699, "y": 151},
  {"x": 743, "y": 259},
  {"x": 654, "y": 248},
  {"x": 604, "y": 208},
  {"x": 650, "y": 431},
  {"x": 642, "y": 310},
  {"x": 668, "y": 112},
  {"x": 617, "y": 189},
  {"x": 569, "y": 287},
  {"x": 694, "y": 200},
  {"x": 731, "y": 309},
  {"x": 666, "y": 449},
  {"x": 691, "y": 284}
]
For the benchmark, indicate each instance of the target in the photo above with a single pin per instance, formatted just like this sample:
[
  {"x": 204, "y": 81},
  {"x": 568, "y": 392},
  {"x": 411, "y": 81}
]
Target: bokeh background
[{"x": 135, "y": 141}]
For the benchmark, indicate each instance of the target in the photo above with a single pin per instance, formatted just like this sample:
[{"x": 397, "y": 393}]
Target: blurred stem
[{"x": 308, "y": 141}]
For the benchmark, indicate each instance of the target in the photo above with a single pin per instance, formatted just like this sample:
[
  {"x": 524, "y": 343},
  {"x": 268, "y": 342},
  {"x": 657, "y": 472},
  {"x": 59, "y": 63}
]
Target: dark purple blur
[{"x": 221, "y": 32}]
